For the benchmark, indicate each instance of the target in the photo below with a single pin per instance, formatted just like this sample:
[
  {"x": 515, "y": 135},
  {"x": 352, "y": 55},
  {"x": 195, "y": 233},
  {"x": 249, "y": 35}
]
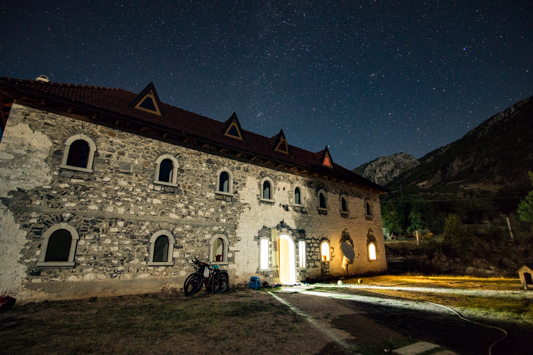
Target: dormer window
[
  {"x": 232, "y": 127},
  {"x": 148, "y": 101}
]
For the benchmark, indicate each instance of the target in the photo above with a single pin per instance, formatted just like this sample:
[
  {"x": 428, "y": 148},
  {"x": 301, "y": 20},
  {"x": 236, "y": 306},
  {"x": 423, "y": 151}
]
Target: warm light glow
[
  {"x": 324, "y": 248},
  {"x": 292, "y": 261},
  {"x": 372, "y": 251},
  {"x": 264, "y": 254},
  {"x": 301, "y": 252}
]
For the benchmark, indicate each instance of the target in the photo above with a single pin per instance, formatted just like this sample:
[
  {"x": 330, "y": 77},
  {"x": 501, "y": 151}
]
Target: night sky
[{"x": 366, "y": 78}]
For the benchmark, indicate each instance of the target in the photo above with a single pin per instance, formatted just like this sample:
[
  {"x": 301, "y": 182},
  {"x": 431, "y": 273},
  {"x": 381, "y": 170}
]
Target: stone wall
[{"x": 117, "y": 208}]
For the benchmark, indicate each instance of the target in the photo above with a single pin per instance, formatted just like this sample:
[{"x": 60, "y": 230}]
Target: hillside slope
[
  {"x": 385, "y": 169},
  {"x": 492, "y": 159}
]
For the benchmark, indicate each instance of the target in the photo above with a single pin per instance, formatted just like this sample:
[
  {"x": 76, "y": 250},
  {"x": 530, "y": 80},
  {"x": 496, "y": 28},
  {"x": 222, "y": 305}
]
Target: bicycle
[{"x": 214, "y": 279}]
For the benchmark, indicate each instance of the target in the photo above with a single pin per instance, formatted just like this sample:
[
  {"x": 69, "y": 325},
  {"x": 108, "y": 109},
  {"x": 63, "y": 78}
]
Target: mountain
[
  {"x": 491, "y": 160},
  {"x": 385, "y": 169}
]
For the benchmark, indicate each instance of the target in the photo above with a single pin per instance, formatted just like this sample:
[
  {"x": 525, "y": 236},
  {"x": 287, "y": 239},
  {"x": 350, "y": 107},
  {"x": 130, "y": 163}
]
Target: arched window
[
  {"x": 218, "y": 253},
  {"x": 79, "y": 153},
  {"x": 297, "y": 196},
  {"x": 324, "y": 251},
  {"x": 322, "y": 201},
  {"x": 224, "y": 184},
  {"x": 344, "y": 204},
  {"x": 166, "y": 170},
  {"x": 59, "y": 246},
  {"x": 372, "y": 251},
  {"x": 368, "y": 210},
  {"x": 161, "y": 249},
  {"x": 266, "y": 190}
]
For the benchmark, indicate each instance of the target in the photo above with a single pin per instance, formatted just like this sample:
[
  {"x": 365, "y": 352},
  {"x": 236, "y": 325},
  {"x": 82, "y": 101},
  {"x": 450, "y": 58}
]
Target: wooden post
[{"x": 509, "y": 225}]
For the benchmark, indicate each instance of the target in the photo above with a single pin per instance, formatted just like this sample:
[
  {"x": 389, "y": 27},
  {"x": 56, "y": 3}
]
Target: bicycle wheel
[
  {"x": 221, "y": 280},
  {"x": 192, "y": 284}
]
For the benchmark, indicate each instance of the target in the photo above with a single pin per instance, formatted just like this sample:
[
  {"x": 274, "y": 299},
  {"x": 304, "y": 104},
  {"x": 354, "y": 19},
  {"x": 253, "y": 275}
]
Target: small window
[
  {"x": 218, "y": 249},
  {"x": 264, "y": 254},
  {"x": 59, "y": 246},
  {"x": 372, "y": 251},
  {"x": 166, "y": 171},
  {"x": 224, "y": 184},
  {"x": 266, "y": 190},
  {"x": 302, "y": 253},
  {"x": 297, "y": 196},
  {"x": 161, "y": 249},
  {"x": 322, "y": 200},
  {"x": 79, "y": 153},
  {"x": 324, "y": 251},
  {"x": 368, "y": 208},
  {"x": 344, "y": 204}
]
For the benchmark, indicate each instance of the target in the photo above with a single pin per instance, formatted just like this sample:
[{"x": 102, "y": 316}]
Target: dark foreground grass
[{"x": 159, "y": 323}]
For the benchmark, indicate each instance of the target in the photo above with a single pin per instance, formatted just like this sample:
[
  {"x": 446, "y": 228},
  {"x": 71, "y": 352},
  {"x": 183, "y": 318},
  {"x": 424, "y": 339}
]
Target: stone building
[{"x": 107, "y": 192}]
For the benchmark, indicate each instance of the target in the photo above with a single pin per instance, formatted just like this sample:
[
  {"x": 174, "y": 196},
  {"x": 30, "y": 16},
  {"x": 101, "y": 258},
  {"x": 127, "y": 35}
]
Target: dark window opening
[
  {"x": 165, "y": 170},
  {"x": 161, "y": 249},
  {"x": 78, "y": 154},
  {"x": 224, "y": 182},
  {"x": 344, "y": 207},
  {"x": 266, "y": 190},
  {"x": 297, "y": 199},
  {"x": 322, "y": 199},
  {"x": 368, "y": 209},
  {"x": 58, "y": 248},
  {"x": 233, "y": 132},
  {"x": 148, "y": 104}
]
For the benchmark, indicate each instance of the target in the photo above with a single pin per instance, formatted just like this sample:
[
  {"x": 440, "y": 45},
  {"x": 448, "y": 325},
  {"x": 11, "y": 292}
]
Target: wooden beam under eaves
[
  {"x": 238, "y": 154},
  {"x": 279, "y": 165},
  {"x": 255, "y": 159},
  {"x": 222, "y": 150}
]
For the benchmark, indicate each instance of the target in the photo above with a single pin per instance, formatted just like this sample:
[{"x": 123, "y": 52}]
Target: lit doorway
[{"x": 287, "y": 269}]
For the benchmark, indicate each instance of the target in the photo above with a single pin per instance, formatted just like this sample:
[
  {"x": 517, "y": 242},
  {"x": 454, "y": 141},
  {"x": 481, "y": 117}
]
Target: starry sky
[{"x": 366, "y": 78}]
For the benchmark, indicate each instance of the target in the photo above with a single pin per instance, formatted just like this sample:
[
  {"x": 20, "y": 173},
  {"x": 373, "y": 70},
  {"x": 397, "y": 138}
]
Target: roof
[
  {"x": 118, "y": 102},
  {"x": 528, "y": 265}
]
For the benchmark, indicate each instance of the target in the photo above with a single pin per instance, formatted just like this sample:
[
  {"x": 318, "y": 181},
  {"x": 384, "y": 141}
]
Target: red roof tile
[{"x": 117, "y": 101}]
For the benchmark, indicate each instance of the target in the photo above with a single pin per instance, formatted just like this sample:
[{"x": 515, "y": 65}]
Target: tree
[
  {"x": 525, "y": 208},
  {"x": 391, "y": 220},
  {"x": 415, "y": 220},
  {"x": 452, "y": 229}
]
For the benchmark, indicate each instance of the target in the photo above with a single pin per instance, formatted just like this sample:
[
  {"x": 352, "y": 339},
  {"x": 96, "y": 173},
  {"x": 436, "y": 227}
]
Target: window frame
[
  {"x": 323, "y": 192},
  {"x": 294, "y": 196},
  {"x": 264, "y": 243},
  {"x": 171, "y": 242},
  {"x": 230, "y": 182},
  {"x": 90, "y": 158},
  {"x": 271, "y": 199},
  {"x": 368, "y": 206},
  {"x": 225, "y": 249},
  {"x": 302, "y": 254},
  {"x": 328, "y": 259},
  {"x": 345, "y": 198},
  {"x": 73, "y": 244},
  {"x": 175, "y": 165},
  {"x": 375, "y": 251}
]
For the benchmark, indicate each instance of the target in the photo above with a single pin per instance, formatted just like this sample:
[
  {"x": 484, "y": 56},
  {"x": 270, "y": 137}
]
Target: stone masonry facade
[{"x": 118, "y": 207}]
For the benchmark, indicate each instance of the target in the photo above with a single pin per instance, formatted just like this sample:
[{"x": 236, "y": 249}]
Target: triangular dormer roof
[
  {"x": 232, "y": 127},
  {"x": 148, "y": 100},
  {"x": 325, "y": 158},
  {"x": 279, "y": 143}
]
